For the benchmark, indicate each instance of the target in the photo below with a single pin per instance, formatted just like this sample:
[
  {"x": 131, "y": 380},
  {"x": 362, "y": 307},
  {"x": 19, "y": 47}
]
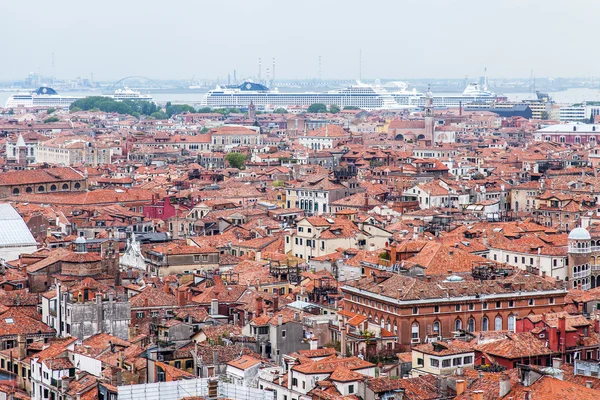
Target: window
[
  {"x": 415, "y": 331},
  {"x": 177, "y": 364},
  {"x": 434, "y": 362},
  {"x": 457, "y": 307},
  {"x": 457, "y": 361},
  {"x": 468, "y": 360},
  {"x": 484, "y": 306},
  {"x": 445, "y": 363},
  {"x": 531, "y": 302},
  {"x": 511, "y": 322},
  {"x": 415, "y": 310},
  {"x": 283, "y": 333},
  {"x": 551, "y": 300},
  {"x": 498, "y": 323},
  {"x": 471, "y": 306},
  {"x": 139, "y": 314},
  {"x": 471, "y": 325},
  {"x": 350, "y": 389},
  {"x": 189, "y": 364},
  {"x": 498, "y": 304},
  {"x": 457, "y": 325},
  {"x": 511, "y": 303},
  {"x": 294, "y": 381},
  {"x": 485, "y": 324},
  {"x": 436, "y": 309},
  {"x": 436, "y": 327}
]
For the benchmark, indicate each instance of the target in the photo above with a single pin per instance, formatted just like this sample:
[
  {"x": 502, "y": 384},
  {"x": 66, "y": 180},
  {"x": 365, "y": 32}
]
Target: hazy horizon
[{"x": 398, "y": 39}]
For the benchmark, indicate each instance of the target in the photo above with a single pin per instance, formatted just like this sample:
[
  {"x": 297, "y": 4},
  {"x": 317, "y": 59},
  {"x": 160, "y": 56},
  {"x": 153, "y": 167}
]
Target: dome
[
  {"x": 80, "y": 240},
  {"x": 579, "y": 234}
]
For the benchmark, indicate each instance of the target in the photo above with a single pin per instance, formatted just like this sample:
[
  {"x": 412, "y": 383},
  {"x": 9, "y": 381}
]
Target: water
[{"x": 569, "y": 96}]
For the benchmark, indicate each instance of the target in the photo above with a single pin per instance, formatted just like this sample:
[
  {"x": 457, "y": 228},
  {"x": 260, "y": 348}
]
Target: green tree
[
  {"x": 334, "y": 109},
  {"x": 280, "y": 111},
  {"x": 178, "y": 109},
  {"x": 51, "y": 119},
  {"x": 236, "y": 160},
  {"x": 204, "y": 130},
  {"x": 317, "y": 108},
  {"x": 545, "y": 115},
  {"x": 278, "y": 183},
  {"x": 50, "y": 110},
  {"x": 205, "y": 110},
  {"x": 75, "y": 109},
  {"x": 159, "y": 115}
]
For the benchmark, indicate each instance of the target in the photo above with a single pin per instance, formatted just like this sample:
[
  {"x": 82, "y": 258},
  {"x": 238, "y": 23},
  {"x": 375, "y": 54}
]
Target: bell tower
[{"x": 429, "y": 127}]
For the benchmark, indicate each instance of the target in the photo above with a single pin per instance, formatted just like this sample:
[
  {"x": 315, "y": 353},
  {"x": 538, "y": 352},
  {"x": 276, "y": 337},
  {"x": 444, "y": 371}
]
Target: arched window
[
  {"x": 485, "y": 324},
  {"x": 471, "y": 325},
  {"x": 376, "y": 319},
  {"x": 41, "y": 188},
  {"x": 436, "y": 328},
  {"x": 77, "y": 185},
  {"x": 16, "y": 191},
  {"x": 65, "y": 186},
  {"x": 457, "y": 325},
  {"x": 28, "y": 189},
  {"x": 511, "y": 322},
  {"x": 53, "y": 188},
  {"x": 498, "y": 323},
  {"x": 415, "y": 331},
  {"x": 388, "y": 325}
]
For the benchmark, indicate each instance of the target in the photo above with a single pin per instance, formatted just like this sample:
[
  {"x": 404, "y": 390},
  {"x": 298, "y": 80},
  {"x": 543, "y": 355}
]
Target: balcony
[
  {"x": 585, "y": 250},
  {"x": 595, "y": 248},
  {"x": 595, "y": 267},
  {"x": 582, "y": 274}
]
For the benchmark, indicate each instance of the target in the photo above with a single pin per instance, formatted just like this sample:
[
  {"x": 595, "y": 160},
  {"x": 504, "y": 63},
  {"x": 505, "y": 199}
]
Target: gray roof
[
  {"x": 572, "y": 128},
  {"x": 13, "y": 230}
]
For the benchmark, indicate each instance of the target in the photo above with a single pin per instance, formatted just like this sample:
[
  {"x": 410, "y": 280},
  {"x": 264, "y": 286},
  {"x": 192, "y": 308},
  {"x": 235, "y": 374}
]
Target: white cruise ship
[
  {"x": 128, "y": 94},
  {"x": 363, "y": 96},
  {"x": 42, "y": 97},
  {"x": 473, "y": 94}
]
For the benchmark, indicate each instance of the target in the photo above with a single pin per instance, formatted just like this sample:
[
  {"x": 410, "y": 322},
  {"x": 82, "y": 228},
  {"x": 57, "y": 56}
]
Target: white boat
[
  {"x": 473, "y": 94},
  {"x": 360, "y": 95},
  {"x": 128, "y": 94},
  {"x": 42, "y": 97}
]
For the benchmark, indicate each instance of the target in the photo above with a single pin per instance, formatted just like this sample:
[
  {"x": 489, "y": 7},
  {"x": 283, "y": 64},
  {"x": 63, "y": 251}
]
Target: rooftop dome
[{"x": 579, "y": 234}]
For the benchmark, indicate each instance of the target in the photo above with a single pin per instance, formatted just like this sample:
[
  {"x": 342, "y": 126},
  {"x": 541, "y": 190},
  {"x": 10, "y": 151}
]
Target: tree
[
  {"x": 236, "y": 160},
  {"x": 50, "y": 110},
  {"x": 545, "y": 115},
  {"x": 205, "y": 110},
  {"x": 334, "y": 109},
  {"x": 75, "y": 109},
  {"x": 51, "y": 119},
  {"x": 178, "y": 109},
  {"x": 280, "y": 111},
  {"x": 204, "y": 130},
  {"x": 159, "y": 115},
  {"x": 317, "y": 108}
]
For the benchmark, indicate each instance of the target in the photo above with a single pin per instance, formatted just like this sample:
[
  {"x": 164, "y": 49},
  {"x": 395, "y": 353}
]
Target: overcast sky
[{"x": 207, "y": 39}]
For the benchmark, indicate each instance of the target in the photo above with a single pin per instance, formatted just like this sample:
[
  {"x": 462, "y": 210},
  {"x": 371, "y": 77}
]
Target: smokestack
[{"x": 259, "y": 70}]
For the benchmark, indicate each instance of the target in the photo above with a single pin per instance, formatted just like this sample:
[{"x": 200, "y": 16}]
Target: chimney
[
  {"x": 556, "y": 363},
  {"x": 379, "y": 289},
  {"x": 504, "y": 385},
  {"x": 181, "y": 297},
  {"x": 279, "y": 320},
  {"x": 214, "y": 307},
  {"x": 22, "y": 343},
  {"x": 527, "y": 393},
  {"x": 461, "y": 386},
  {"x": 166, "y": 288},
  {"x": 275, "y": 303},
  {"x": 259, "y": 306},
  {"x": 588, "y": 384},
  {"x": 393, "y": 254},
  {"x": 478, "y": 395}
]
